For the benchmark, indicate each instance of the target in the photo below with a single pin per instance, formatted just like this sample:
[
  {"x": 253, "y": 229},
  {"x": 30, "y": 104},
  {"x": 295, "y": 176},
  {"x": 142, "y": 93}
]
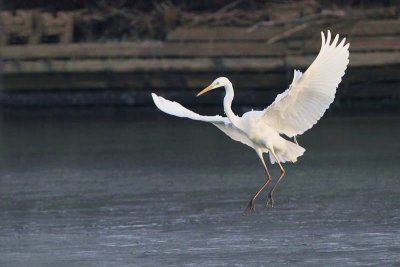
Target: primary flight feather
[{"x": 292, "y": 113}]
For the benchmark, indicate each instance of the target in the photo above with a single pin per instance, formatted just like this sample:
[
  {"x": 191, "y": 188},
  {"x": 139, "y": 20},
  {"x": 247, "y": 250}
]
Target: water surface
[{"x": 136, "y": 188}]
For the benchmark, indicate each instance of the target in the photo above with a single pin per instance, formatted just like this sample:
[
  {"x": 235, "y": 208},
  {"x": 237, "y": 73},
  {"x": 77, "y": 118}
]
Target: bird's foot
[
  {"x": 270, "y": 200},
  {"x": 251, "y": 207}
]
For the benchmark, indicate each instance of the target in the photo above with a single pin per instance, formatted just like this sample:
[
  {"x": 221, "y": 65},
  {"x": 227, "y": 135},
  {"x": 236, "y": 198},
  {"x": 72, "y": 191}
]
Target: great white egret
[{"x": 292, "y": 113}]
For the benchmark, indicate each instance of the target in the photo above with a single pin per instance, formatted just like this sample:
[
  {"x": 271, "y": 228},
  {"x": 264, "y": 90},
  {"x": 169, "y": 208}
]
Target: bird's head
[{"x": 219, "y": 82}]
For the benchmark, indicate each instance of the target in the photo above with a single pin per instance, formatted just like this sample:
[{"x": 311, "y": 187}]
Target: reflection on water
[{"x": 108, "y": 188}]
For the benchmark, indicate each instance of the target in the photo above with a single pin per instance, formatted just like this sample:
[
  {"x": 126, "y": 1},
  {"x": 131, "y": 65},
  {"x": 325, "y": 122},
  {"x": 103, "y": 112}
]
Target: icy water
[{"x": 111, "y": 188}]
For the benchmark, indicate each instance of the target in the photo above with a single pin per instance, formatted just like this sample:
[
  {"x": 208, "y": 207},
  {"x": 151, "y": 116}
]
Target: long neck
[{"x": 229, "y": 94}]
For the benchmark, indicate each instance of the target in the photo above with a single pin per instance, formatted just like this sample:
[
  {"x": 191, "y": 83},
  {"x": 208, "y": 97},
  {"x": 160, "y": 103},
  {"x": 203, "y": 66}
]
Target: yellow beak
[{"x": 205, "y": 90}]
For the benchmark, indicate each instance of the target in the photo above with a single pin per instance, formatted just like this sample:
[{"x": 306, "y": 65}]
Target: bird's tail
[{"x": 290, "y": 153}]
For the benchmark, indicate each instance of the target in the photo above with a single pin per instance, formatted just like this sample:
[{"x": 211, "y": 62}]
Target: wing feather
[
  {"x": 310, "y": 94},
  {"x": 176, "y": 109},
  {"x": 222, "y": 123}
]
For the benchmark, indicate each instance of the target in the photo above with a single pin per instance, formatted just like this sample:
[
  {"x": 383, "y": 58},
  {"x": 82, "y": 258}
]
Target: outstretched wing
[
  {"x": 222, "y": 123},
  {"x": 176, "y": 109},
  {"x": 298, "y": 108}
]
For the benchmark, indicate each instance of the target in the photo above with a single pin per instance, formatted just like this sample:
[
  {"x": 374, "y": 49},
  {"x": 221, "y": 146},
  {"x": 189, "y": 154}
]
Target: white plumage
[
  {"x": 292, "y": 113},
  {"x": 310, "y": 94}
]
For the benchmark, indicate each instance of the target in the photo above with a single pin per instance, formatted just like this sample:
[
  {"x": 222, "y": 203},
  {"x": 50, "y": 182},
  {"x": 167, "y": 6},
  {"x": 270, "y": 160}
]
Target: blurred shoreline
[{"x": 47, "y": 60}]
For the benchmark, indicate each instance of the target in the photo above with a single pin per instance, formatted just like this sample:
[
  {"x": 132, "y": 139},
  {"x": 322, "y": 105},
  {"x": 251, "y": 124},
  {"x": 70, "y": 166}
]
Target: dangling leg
[
  {"x": 251, "y": 206},
  {"x": 270, "y": 200}
]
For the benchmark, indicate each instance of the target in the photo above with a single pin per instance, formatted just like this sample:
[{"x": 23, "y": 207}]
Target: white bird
[{"x": 292, "y": 113}]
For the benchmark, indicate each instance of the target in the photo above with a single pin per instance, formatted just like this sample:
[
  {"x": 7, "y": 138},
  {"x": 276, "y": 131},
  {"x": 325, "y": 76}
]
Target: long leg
[
  {"x": 251, "y": 206},
  {"x": 270, "y": 200}
]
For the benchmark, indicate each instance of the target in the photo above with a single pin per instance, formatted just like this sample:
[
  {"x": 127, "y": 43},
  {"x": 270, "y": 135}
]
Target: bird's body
[
  {"x": 292, "y": 113},
  {"x": 266, "y": 138}
]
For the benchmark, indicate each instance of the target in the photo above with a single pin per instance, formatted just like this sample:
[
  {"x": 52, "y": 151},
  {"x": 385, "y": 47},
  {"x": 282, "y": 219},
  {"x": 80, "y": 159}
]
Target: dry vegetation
[{"x": 121, "y": 20}]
